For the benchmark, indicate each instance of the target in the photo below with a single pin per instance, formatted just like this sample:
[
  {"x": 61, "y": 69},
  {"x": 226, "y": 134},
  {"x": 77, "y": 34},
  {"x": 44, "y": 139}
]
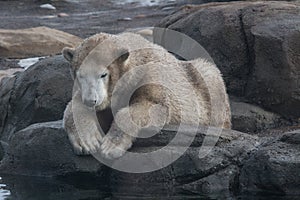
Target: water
[
  {"x": 4, "y": 193},
  {"x": 84, "y": 188},
  {"x": 87, "y": 188}
]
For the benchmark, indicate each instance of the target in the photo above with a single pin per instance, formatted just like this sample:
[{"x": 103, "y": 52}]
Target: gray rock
[
  {"x": 249, "y": 118},
  {"x": 254, "y": 44},
  {"x": 44, "y": 150},
  {"x": 239, "y": 163},
  {"x": 38, "y": 94},
  {"x": 212, "y": 174},
  {"x": 274, "y": 167}
]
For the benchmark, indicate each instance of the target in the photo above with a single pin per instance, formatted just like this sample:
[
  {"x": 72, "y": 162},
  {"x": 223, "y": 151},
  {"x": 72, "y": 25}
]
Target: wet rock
[
  {"x": 251, "y": 119},
  {"x": 274, "y": 167},
  {"x": 31, "y": 42},
  {"x": 38, "y": 94},
  {"x": 255, "y": 46},
  {"x": 6, "y": 89},
  {"x": 9, "y": 73},
  {"x": 44, "y": 150},
  {"x": 238, "y": 163},
  {"x": 191, "y": 174}
]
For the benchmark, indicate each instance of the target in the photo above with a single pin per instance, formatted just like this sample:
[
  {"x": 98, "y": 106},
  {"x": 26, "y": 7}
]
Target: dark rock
[
  {"x": 237, "y": 163},
  {"x": 276, "y": 73},
  {"x": 252, "y": 119},
  {"x": 44, "y": 150},
  {"x": 38, "y": 94},
  {"x": 274, "y": 167},
  {"x": 254, "y": 44},
  {"x": 292, "y": 137},
  {"x": 212, "y": 174}
]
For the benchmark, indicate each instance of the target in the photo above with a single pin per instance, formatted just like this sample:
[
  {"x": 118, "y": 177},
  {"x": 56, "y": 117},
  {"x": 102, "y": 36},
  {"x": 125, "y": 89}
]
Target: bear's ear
[
  {"x": 123, "y": 55},
  {"x": 68, "y": 53}
]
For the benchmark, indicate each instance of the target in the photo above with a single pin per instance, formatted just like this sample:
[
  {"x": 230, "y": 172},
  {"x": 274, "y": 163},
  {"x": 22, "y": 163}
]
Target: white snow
[
  {"x": 25, "y": 63},
  {"x": 47, "y": 6}
]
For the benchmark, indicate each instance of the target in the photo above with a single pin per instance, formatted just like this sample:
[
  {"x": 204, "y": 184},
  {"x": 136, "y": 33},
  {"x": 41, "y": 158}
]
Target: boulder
[
  {"x": 250, "y": 118},
  {"x": 254, "y": 44},
  {"x": 274, "y": 167},
  {"x": 31, "y": 42},
  {"x": 44, "y": 150},
  {"x": 238, "y": 164},
  {"x": 38, "y": 94},
  {"x": 9, "y": 72}
]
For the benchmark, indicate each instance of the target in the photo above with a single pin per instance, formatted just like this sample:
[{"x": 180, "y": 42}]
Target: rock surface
[
  {"x": 43, "y": 149},
  {"x": 249, "y": 118},
  {"x": 31, "y": 42},
  {"x": 255, "y": 46},
  {"x": 274, "y": 167},
  {"x": 38, "y": 94},
  {"x": 238, "y": 164}
]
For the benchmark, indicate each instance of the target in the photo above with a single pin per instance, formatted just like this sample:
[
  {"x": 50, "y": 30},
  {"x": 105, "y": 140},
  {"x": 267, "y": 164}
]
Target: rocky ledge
[{"x": 238, "y": 164}]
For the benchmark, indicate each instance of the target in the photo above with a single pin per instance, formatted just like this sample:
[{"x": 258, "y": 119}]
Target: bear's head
[{"x": 97, "y": 65}]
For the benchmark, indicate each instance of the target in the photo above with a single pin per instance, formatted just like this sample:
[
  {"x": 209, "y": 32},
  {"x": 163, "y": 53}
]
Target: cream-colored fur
[{"x": 189, "y": 92}]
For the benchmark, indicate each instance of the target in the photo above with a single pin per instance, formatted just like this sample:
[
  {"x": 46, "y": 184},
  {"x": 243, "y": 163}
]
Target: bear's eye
[{"x": 103, "y": 75}]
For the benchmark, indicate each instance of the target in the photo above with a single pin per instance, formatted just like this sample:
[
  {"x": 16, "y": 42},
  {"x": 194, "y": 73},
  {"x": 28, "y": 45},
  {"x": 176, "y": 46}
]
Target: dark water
[{"x": 38, "y": 188}]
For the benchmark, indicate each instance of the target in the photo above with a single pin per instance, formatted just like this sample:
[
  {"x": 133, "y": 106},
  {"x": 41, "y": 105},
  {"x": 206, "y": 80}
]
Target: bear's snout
[{"x": 90, "y": 102}]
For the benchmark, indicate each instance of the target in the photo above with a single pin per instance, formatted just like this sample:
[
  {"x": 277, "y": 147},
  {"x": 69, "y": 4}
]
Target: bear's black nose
[{"x": 90, "y": 102}]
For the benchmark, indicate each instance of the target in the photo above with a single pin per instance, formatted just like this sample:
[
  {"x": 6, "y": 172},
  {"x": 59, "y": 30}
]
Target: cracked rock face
[
  {"x": 274, "y": 167},
  {"x": 255, "y": 45}
]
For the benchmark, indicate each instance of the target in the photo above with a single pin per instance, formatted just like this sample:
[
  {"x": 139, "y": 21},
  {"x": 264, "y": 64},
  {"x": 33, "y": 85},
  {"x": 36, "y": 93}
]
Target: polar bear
[{"x": 125, "y": 83}]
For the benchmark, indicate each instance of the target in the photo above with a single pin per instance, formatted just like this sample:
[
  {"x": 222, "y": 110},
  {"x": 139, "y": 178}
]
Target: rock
[
  {"x": 44, "y": 150},
  {"x": 254, "y": 44},
  {"x": 9, "y": 72},
  {"x": 274, "y": 167},
  {"x": 237, "y": 164},
  {"x": 38, "y": 94},
  {"x": 251, "y": 119},
  {"x": 1, "y": 152},
  {"x": 212, "y": 174},
  {"x": 31, "y": 42},
  {"x": 6, "y": 89}
]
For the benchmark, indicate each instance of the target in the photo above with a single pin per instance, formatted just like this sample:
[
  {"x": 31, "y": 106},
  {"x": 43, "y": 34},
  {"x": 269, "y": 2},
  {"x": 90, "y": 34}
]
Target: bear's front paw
[
  {"x": 115, "y": 145},
  {"x": 86, "y": 144}
]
